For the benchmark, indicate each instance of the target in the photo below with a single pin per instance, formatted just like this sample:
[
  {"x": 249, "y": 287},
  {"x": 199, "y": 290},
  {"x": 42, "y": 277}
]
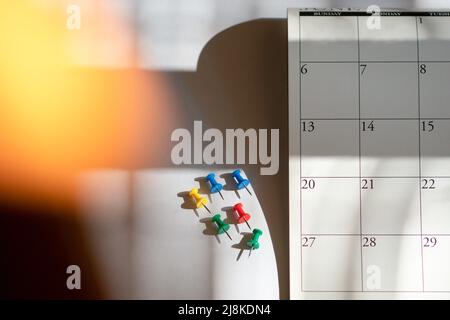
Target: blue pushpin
[
  {"x": 215, "y": 186},
  {"x": 241, "y": 182}
]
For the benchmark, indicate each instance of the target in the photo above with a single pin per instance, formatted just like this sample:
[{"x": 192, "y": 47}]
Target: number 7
[{"x": 363, "y": 68}]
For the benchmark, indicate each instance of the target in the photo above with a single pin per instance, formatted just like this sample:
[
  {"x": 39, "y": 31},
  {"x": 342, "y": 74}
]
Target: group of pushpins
[{"x": 241, "y": 215}]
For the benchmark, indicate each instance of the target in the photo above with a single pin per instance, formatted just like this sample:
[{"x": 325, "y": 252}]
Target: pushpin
[
  {"x": 254, "y": 242},
  {"x": 221, "y": 225},
  {"x": 243, "y": 216},
  {"x": 215, "y": 186},
  {"x": 199, "y": 200},
  {"x": 241, "y": 182}
]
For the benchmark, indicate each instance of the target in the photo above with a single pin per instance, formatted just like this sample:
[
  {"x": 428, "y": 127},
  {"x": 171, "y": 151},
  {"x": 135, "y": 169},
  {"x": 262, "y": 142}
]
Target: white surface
[{"x": 167, "y": 254}]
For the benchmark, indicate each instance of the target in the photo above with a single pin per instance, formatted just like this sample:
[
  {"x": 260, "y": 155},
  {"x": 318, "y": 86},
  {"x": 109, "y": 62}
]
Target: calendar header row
[{"x": 356, "y": 12}]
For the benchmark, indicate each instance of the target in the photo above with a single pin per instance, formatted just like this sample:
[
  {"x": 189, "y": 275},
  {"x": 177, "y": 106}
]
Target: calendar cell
[
  {"x": 328, "y": 39},
  {"x": 435, "y": 151},
  {"x": 436, "y": 205},
  {"x": 436, "y": 260},
  {"x": 434, "y": 38},
  {"x": 390, "y": 148},
  {"x": 329, "y": 90},
  {"x": 330, "y": 206},
  {"x": 434, "y": 90},
  {"x": 389, "y": 90},
  {"x": 329, "y": 148},
  {"x": 392, "y": 263},
  {"x": 390, "y": 206},
  {"x": 332, "y": 263},
  {"x": 394, "y": 40}
]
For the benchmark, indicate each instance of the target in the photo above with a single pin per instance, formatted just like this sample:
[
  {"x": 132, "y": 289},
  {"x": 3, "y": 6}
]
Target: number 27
[{"x": 307, "y": 242}]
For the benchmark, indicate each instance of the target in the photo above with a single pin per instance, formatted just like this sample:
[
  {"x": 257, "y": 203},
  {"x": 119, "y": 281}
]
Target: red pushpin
[{"x": 243, "y": 216}]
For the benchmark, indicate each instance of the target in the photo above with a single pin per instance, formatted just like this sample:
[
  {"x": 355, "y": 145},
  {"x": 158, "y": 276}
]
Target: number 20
[{"x": 308, "y": 184}]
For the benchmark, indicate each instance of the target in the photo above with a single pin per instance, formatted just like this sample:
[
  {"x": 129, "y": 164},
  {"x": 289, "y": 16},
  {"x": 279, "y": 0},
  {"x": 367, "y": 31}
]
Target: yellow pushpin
[{"x": 198, "y": 199}]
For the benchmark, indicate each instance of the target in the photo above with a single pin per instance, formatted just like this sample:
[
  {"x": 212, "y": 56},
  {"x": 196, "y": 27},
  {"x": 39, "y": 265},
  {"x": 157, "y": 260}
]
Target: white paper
[
  {"x": 150, "y": 243},
  {"x": 369, "y": 165}
]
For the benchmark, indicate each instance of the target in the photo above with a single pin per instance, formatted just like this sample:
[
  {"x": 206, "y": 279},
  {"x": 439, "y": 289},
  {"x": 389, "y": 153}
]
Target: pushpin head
[
  {"x": 254, "y": 242},
  {"x": 257, "y": 232},
  {"x": 199, "y": 200},
  {"x": 193, "y": 192},
  {"x": 243, "y": 216},
  {"x": 241, "y": 182},
  {"x": 215, "y": 186},
  {"x": 237, "y": 206},
  {"x": 221, "y": 226},
  {"x": 236, "y": 172}
]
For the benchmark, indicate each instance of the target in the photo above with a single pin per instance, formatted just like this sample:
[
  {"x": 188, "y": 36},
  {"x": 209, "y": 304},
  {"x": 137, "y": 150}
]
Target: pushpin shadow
[
  {"x": 242, "y": 245},
  {"x": 210, "y": 228},
  {"x": 230, "y": 183},
  {"x": 231, "y": 217},
  {"x": 204, "y": 187},
  {"x": 187, "y": 202}
]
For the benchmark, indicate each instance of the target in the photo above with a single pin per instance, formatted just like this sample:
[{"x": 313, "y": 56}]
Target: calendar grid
[
  {"x": 420, "y": 156},
  {"x": 360, "y": 176},
  {"x": 402, "y": 124}
]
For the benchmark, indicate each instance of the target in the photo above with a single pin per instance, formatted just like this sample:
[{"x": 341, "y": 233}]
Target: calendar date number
[
  {"x": 368, "y": 242},
  {"x": 308, "y": 242},
  {"x": 429, "y": 242}
]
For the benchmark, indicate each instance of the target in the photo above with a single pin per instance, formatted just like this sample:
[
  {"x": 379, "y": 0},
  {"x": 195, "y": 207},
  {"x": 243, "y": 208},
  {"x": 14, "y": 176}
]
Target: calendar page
[{"x": 369, "y": 154}]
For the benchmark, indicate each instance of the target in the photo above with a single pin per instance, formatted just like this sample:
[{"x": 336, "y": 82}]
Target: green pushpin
[
  {"x": 221, "y": 225},
  {"x": 254, "y": 242}
]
